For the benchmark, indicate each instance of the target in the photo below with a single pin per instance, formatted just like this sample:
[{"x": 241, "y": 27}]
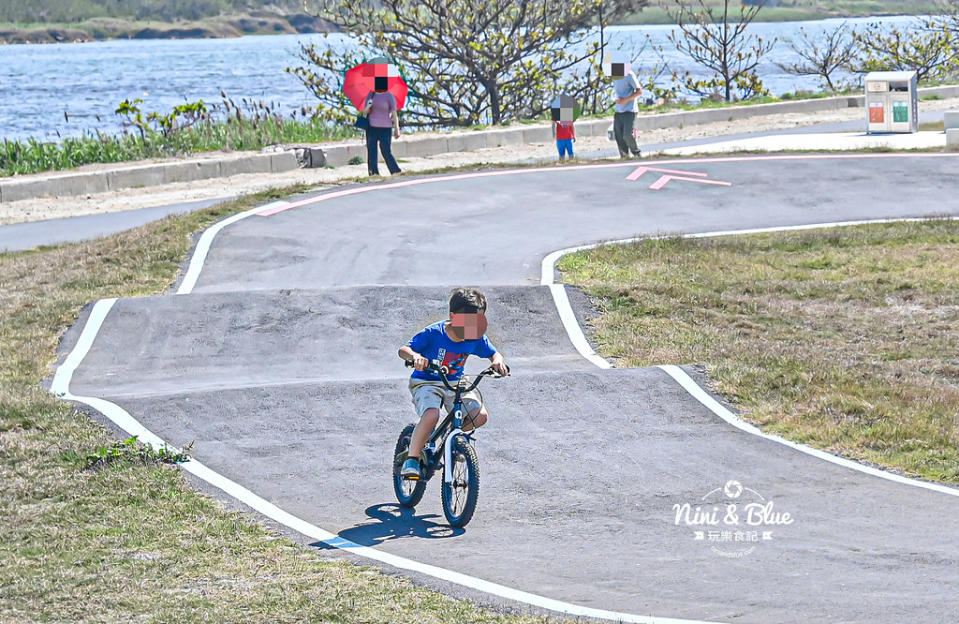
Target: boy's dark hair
[{"x": 467, "y": 300}]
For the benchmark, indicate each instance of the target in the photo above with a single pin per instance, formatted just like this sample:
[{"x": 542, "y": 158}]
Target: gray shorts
[{"x": 427, "y": 394}]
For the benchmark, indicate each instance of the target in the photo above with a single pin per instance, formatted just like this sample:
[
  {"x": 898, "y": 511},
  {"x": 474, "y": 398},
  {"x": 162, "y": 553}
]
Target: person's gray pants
[{"x": 623, "y": 131}]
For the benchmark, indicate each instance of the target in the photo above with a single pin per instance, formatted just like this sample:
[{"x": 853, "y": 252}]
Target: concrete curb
[
  {"x": 464, "y": 141},
  {"x": 72, "y": 183}
]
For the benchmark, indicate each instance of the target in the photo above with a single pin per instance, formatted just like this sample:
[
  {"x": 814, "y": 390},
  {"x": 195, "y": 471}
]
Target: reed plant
[{"x": 229, "y": 126}]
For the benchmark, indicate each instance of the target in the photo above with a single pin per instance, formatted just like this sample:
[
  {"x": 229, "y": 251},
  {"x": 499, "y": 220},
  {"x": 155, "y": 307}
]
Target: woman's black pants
[{"x": 383, "y": 136}]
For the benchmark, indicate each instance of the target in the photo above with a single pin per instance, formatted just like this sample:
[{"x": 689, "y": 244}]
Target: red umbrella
[{"x": 377, "y": 74}]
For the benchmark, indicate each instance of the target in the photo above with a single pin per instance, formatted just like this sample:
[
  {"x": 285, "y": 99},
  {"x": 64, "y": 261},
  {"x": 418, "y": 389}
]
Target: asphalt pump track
[{"x": 280, "y": 365}]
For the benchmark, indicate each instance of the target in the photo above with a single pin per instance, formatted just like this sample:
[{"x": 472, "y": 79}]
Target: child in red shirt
[{"x": 565, "y": 136}]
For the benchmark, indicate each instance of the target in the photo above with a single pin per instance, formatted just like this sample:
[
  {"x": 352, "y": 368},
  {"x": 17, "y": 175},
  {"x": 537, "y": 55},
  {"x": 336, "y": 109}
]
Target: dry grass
[
  {"x": 845, "y": 339},
  {"x": 131, "y": 542}
]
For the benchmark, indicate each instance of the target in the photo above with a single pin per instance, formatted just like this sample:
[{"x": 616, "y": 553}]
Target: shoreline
[
  {"x": 266, "y": 23},
  {"x": 110, "y": 29}
]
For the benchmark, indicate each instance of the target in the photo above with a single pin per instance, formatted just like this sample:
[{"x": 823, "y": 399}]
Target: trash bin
[{"x": 892, "y": 102}]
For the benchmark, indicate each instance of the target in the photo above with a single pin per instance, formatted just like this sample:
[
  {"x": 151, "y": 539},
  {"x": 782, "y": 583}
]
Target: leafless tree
[
  {"x": 467, "y": 61},
  {"x": 930, "y": 47},
  {"x": 833, "y": 51},
  {"x": 719, "y": 41}
]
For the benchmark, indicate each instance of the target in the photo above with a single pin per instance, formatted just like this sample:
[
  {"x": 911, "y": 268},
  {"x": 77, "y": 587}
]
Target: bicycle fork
[
  {"x": 448, "y": 454},
  {"x": 448, "y": 448}
]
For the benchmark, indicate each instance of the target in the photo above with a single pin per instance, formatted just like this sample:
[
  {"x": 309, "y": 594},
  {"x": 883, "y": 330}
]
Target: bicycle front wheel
[
  {"x": 408, "y": 492},
  {"x": 460, "y": 496}
]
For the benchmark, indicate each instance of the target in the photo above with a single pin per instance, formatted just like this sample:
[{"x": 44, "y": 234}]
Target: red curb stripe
[{"x": 487, "y": 174}]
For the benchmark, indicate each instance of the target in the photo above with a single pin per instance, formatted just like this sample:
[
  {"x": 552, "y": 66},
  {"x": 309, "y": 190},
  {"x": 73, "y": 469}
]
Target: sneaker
[{"x": 410, "y": 469}]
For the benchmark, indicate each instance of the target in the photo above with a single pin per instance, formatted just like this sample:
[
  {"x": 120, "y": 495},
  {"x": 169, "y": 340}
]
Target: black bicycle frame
[
  {"x": 449, "y": 424},
  {"x": 454, "y": 418}
]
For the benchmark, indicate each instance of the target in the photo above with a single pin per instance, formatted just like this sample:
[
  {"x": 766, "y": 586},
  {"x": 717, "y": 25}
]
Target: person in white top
[{"x": 626, "y": 89}]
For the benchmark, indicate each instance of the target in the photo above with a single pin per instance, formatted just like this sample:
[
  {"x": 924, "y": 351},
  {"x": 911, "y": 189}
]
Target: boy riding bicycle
[{"x": 451, "y": 342}]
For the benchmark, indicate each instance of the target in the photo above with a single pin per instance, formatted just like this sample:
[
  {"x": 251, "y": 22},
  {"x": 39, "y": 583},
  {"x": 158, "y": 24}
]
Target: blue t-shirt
[
  {"x": 624, "y": 87},
  {"x": 433, "y": 343}
]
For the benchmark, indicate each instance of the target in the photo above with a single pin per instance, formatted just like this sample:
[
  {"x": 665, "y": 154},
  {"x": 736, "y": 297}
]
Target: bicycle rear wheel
[
  {"x": 460, "y": 496},
  {"x": 408, "y": 492}
]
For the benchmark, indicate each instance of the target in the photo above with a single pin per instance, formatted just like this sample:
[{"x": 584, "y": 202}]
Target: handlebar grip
[{"x": 434, "y": 364}]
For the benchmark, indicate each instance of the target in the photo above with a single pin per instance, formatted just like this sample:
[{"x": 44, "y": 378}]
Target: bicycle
[{"x": 448, "y": 447}]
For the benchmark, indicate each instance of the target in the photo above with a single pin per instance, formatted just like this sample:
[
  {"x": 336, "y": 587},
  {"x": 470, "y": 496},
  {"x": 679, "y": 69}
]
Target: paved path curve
[
  {"x": 281, "y": 366},
  {"x": 30, "y": 234}
]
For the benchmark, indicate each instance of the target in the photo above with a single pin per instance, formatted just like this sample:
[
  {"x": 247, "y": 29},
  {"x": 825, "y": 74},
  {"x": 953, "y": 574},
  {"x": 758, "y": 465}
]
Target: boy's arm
[
  {"x": 495, "y": 358},
  {"x": 499, "y": 364},
  {"x": 408, "y": 354}
]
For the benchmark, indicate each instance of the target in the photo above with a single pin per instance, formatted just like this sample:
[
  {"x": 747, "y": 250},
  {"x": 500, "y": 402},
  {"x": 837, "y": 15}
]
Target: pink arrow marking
[
  {"x": 639, "y": 171},
  {"x": 664, "y": 180}
]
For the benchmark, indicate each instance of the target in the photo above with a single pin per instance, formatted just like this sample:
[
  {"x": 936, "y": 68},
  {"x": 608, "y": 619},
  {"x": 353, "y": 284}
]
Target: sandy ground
[{"x": 131, "y": 199}]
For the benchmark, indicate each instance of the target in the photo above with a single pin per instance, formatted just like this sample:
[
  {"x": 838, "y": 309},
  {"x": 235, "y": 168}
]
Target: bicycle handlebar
[{"x": 436, "y": 368}]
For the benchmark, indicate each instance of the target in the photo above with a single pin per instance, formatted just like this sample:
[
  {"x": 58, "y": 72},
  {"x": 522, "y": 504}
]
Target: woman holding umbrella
[
  {"x": 380, "y": 110},
  {"x": 378, "y": 91}
]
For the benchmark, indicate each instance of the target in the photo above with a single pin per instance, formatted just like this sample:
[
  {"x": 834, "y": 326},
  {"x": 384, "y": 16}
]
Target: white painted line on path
[
  {"x": 272, "y": 209},
  {"x": 578, "y": 338},
  {"x": 61, "y": 380},
  {"x": 266, "y": 211},
  {"x": 120, "y": 417},
  {"x": 203, "y": 247},
  {"x": 717, "y": 408},
  {"x": 573, "y": 329}
]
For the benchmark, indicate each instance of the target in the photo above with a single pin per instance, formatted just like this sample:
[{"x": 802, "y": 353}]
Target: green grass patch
[
  {"x": 32, "y": 155},
  {"x": 933, "y": 126},
  {"x": 82, "y": 20},
  {"x": 845, "y": 339},
  {"x": 129, "y": 540},
  {"x": 131, "y": 450}
]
